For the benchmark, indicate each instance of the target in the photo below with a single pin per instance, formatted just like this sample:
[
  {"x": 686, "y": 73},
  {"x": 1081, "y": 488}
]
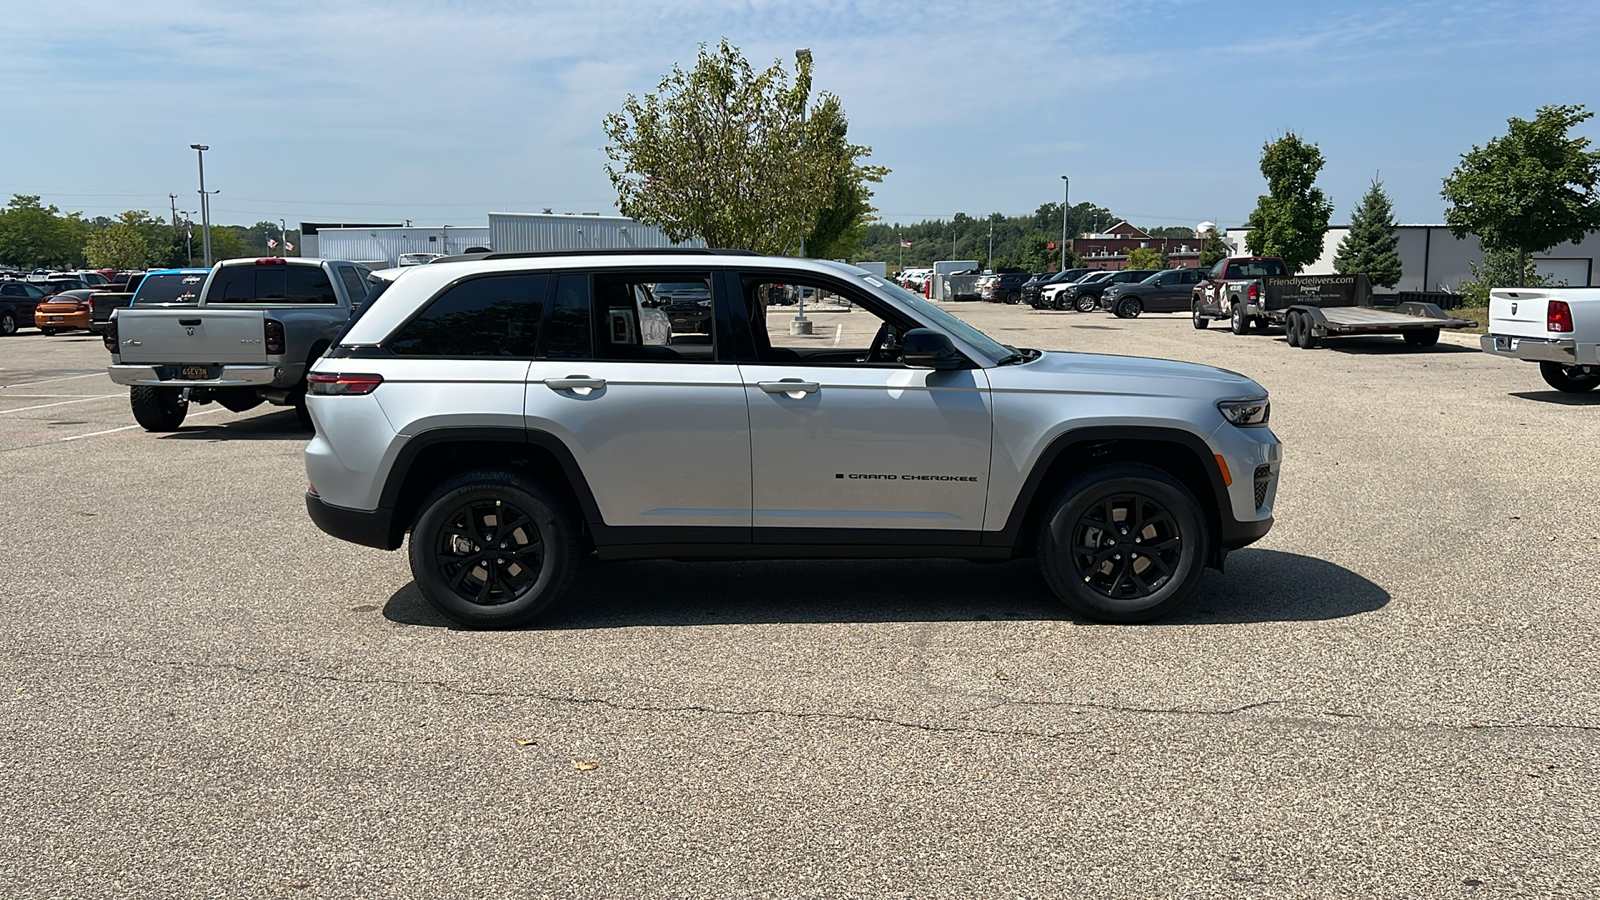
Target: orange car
[{"x": 64, "y": 311}]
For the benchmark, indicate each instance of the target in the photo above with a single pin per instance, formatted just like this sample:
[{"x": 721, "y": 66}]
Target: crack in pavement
[{"x": 1072, "y": 706}]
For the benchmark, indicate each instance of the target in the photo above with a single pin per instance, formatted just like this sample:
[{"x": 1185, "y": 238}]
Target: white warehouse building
[
  {"x": 529, "y": 232},
  {"x": 380, "y": 246},
  {"x": 1433, "y": 259}
]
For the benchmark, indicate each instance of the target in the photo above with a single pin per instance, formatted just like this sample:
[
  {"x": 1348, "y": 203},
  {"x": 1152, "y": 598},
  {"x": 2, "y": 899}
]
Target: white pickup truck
[{"x": 1558, "y": 328}]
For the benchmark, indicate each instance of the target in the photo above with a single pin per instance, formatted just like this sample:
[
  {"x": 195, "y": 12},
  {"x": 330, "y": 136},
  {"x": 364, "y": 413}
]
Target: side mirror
[{"x": 924, "y": 348}]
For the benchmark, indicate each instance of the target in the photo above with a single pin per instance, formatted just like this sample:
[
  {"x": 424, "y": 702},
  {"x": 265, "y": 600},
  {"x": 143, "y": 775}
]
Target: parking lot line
[
  {"x": 78, "y": 437},
  {"x": 61, "y": 403},
  {"x": 50, "y": 380}
]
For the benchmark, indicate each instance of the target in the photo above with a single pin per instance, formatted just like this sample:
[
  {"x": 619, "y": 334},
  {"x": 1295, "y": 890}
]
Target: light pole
[
  {"x": 1066, "y": 190},
  {"x": 188, "y": 235},
  {"x": 801, "y": 325},
  {"x": 205, "y": 203}
]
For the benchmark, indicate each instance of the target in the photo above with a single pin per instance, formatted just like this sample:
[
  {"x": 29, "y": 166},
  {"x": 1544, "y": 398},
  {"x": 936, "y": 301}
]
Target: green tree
[
  {"x": 730, "y": 156},
  {"x": 1529, "y": 190},
  {"x": 118, "y": 246},
  {"x": 1145, "y": 258},
  {"x": 1371, "y": 246},
  {"x": 1500, "y": 269},
  {"x": 1213, "y": 250},
  {"x": 32, "y": 234},
  {"x": 227, "y": 242},
  {"x": 842, "y": 224},
  {"x": 1290, "y": 220}
]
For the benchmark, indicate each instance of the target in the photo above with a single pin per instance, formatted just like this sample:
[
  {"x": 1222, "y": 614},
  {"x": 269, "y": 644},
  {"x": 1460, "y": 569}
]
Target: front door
[{"x": 842, "y": 435}]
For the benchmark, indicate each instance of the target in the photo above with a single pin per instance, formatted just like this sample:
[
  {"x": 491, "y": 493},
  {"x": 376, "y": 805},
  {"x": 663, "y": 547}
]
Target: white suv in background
[{"x": 517, "y": 411}]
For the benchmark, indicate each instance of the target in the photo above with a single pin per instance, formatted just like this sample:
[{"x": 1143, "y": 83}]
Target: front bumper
[
  {"x": 229, "y": 376},
  {"x": 1567, "y": 353}
]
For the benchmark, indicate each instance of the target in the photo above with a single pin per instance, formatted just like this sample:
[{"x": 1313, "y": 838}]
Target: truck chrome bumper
[
  {"x": 230, "y": 376},
  {"x": 1567, "y": 353}
]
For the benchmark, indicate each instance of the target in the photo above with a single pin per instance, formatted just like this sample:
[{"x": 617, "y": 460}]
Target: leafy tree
[
  {"x": 1145, "y": 258},
  {"x": 1371, "y": 246},
  {"x": 227, "y": 242},
  {"x": 117, "y": 246},
  {"x": 32, "y": 234},
  {"x": 1500, "y": 269},
  {"x": 730, "y": 156},
  {"x": 1291, "y": 218},
  {"x": 1213, "y": 250},
  {"x": 843, "y": 222},
  {"x": 1529, "y": 190}
]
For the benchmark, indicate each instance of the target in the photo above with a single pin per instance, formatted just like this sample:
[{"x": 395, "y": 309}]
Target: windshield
[
  {"x": 977, "y": 339},
  {"x": 169, "y": 287}
]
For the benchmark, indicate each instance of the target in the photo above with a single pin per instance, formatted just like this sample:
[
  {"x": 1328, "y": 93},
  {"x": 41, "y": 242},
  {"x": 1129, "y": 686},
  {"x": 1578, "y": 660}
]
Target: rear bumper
[
  {"x": 1567, "y": 353},
  {"x": 230, "y": 376},
  {"x": 367, "y": 527}
]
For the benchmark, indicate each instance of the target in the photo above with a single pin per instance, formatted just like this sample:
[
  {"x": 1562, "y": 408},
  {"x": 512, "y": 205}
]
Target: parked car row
[{"x": 55, "y": 302}]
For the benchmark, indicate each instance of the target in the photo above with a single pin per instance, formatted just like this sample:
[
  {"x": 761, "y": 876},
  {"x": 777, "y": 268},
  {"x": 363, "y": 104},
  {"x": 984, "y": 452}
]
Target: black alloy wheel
[
  {"x": 1123, "y": 543},
  {"x": 493, "y": 549},
  {"x": 1062, "y": 302},
  {"x": 8, "y": 322},
  {"x": 1129, "y": 308}
]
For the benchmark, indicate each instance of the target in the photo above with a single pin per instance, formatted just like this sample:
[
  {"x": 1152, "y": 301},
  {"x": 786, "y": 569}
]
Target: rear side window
[
  {"x": 271, "y": 284},
  {"x": 171, "y": 287},
  {"x": 494, "y": 316},
  {"x": 570, "y": 335},
  {"x": 354, "y": 287}
]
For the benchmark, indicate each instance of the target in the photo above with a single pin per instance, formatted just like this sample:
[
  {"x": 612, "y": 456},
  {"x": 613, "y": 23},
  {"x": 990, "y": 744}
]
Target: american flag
[
  {"x": 905, "y": 243},
  {"x": 271, "y": 244}
]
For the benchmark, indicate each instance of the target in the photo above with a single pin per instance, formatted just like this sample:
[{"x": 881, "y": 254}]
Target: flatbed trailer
[{"x": 1311, "y": 308}]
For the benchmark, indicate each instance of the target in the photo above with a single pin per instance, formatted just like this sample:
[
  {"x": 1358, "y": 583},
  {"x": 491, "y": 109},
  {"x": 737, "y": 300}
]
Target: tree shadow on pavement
[
  {"x": 1259, "y": 586},
  {"x": 1559, "y": 398}
]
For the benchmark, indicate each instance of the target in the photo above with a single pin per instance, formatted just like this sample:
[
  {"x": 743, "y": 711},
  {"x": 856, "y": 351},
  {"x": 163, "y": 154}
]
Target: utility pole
[
  {"x": 990, "y": 260},
  {"x": 283, "y": 238},
  {"x": 188, "y": 237},
  {"x": 205, "y": 203},
  {"x": 1066, "y": 191},
  {"x": 174, "y": 199}
]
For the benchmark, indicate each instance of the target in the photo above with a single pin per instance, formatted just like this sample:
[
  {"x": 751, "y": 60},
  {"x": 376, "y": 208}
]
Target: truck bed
[{"x": 1355, "y": 319}]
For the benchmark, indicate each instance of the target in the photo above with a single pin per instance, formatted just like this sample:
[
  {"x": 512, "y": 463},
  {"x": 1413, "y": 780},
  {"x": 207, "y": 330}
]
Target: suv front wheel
[
  {"x": 492, "y": 548},
  {"x": 1123, "y": 543}
]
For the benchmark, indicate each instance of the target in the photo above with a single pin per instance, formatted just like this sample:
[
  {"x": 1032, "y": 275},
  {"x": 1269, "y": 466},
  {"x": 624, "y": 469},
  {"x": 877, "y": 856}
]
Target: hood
[{"x": 1103, "y": 373}]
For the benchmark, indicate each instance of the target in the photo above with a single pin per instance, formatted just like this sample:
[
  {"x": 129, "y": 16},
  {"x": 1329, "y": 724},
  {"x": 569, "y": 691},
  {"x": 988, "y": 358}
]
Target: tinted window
[
  {"x": 271, "y": 284},
  {"x": 568, "y": 335},
  {"x": 353, "y": 285},
  {"x": 171, "y": 287},
  {"x": 495, "y": 316}
]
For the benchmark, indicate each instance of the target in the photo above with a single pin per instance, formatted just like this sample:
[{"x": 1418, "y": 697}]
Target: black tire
[
  {"x": 302, "y": 413},
  {"x": 1062, "y": 302},
  {"x": 1201, "y": 322},
  {"x": 1308, "y": 338},
  {"x": 1082, "y": 559},
  {"x": 1237, "y": 323},
  {"x": 8, "y": 323},
  {"x": 1129, "y": 308},
  {"x": 1569, "y": 379},
  {"x": 1085, "y": 303},
  {"x": 1291, "y": 328},
  {"x": 49, "y": 332},
  {"x": 158, "y": 408},
  {"x": 1421, "y": 337},
  {"x": 238, "y": 399},
  {"x": 1013, "y": 298},
  {"x": 458, "y": 567}
]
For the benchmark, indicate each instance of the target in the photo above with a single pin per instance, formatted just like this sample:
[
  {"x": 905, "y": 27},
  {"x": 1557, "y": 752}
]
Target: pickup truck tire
[
  {"x": 8, "y": 322},
  {"x": 474, "y": 571},
  {"x": 157, "y": 408},
  {"x": 302, "y": 413},
  {"x": 1123, "y": 542},
  {"x": 1569, "y": 379},
  {"x": 1421, "y": 337},
  {"x": 1238, "y": 324},
  {"x": 1085, "y": 303},
  {"x": 1200, "y": 322},
  {"x": 1129, "y": 308}
]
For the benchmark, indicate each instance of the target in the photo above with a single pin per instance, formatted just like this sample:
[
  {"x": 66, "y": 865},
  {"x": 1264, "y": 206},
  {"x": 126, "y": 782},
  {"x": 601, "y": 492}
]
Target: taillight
[
  {"x": 1255, "y": 291},
  {"x": 272, "y": 261},
  {"x": 1558, "y": 316},
  {"x": 342, "y": 385},
  {"x": 110, "y": 335},
  {"x": 85, "y": 306},
  {"x": 274, "y": 336}
]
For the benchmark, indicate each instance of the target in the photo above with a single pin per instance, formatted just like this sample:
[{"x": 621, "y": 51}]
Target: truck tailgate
[
  {"x": 191, "y": 335},
  {"x": 1520, "y": 312}
]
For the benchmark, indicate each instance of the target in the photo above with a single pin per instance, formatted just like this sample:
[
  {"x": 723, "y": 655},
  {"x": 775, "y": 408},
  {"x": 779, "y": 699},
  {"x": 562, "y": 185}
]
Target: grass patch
[{"x": 1479, "y": 314}]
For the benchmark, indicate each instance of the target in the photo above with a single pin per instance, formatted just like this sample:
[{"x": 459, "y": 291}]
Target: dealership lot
[{"x": 1396, "y": 693}]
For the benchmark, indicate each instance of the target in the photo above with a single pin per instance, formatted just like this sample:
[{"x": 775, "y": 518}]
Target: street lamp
[
  {"x": 1066, "y": 189},
  {"x": 205, "y": 203},
  {"x": 801, "y": 325},
  {"x": 188, "y": 235}
]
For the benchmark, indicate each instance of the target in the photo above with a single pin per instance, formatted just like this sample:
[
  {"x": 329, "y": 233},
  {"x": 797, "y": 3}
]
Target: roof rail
[{"x": 616, "y": 251}]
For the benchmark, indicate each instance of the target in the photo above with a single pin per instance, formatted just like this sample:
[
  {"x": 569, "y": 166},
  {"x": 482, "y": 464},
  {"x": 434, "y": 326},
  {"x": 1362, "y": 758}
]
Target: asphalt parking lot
[{"x": 1396, "y": 693}]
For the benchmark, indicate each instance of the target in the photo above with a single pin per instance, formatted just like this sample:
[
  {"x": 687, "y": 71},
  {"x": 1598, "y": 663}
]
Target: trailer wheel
[
  {"x": 1200, "y": 322},
  {"x": 1291, "y": 328},
  {"x": 1238, "y": 324},
  {"x": 1570, "y": 379},
  {"x": 1422, "y": 337},
  {"x": 1308, "y": 336}
]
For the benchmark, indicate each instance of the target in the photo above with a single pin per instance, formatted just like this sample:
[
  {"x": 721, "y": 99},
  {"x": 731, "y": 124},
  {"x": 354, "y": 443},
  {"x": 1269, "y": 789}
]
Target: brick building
[{"x": 1110, "y": 249}]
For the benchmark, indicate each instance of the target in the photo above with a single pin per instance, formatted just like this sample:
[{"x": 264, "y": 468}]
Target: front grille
[{"x": 1263, "y": 482}]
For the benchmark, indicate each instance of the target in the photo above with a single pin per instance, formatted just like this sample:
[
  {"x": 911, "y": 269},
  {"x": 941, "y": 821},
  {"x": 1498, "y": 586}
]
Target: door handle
[
  {"x": 578, "y": 384},
  {"x": 793, "y": 387}
]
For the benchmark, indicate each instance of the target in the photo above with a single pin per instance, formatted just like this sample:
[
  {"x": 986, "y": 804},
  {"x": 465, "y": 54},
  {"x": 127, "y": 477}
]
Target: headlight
[{"x": 1249, "y": 413}]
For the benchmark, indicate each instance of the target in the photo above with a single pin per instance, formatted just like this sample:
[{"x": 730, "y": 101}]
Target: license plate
[
  {"x": 200, "y": 373},
  {"x": 55, "y": 318}
]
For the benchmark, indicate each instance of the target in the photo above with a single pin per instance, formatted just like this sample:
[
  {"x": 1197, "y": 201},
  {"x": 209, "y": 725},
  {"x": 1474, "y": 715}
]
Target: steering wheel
[{"x": 879, "y": 341}]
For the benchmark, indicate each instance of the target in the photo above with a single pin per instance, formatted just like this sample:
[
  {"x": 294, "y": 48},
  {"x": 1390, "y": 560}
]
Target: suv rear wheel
[
  {"x": 492, "y": 548},
  {"x": 1123, "y": 543}
]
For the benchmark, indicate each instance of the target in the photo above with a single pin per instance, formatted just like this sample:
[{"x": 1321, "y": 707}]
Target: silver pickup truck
[{"x": 258, "y": 326}]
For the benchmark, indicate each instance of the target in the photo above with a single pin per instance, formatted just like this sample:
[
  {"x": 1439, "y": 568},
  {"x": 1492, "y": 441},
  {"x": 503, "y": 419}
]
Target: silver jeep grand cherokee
[{"x": 515, "y": 412}]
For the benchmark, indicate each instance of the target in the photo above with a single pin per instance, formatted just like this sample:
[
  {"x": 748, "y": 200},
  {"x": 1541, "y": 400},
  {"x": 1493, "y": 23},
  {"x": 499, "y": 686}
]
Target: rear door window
[
  {"x": 493, "y": 316},
  {"x": 354, "y": 287}
]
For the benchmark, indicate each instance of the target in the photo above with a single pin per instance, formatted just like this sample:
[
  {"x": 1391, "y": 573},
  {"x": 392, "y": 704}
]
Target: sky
[{"x": 439, "y": 112}]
